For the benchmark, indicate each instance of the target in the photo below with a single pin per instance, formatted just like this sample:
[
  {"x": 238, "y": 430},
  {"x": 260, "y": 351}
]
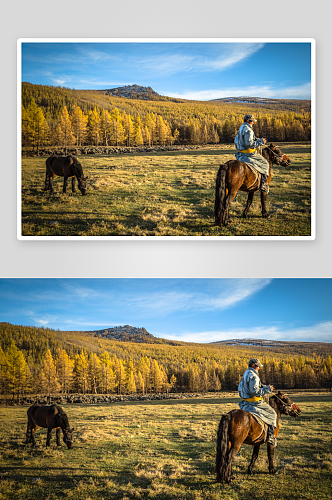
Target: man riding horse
[
  {"x": 246, "y": 143},
  {"x": 252, "y": 391}
]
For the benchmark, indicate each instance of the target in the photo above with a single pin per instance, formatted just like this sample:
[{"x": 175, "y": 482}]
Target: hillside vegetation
[
  {"x": 47, "y": 361},
  {"x": 57, "y": 116}
]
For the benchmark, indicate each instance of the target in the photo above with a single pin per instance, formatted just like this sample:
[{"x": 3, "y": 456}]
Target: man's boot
[
  {"x": 270, "y": 439},
  {"x": 264, "y": 186}
]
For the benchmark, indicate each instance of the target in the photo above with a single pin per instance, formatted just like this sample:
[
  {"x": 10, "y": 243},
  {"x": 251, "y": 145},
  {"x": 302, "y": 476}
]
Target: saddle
[
  {"x": 257, "y": 174},
  {"x": 264, "y": 426}
]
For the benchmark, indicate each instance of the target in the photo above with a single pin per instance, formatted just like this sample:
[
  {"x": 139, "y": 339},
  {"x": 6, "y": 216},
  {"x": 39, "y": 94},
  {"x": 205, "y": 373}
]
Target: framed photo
[{"x": 166, "y": 139}]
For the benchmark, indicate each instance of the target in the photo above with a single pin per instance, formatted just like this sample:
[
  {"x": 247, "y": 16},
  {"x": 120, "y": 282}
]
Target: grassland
[
  {"x": 163, "y": 194},
  {"x": 164, "y": 450}
]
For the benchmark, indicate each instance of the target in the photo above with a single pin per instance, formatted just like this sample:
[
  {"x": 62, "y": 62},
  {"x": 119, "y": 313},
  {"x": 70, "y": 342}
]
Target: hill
[
  {"x": 138, "y": 92},
  {"x": 269, "y": 103},
  {"x": 36, "y": 340},
  {"x": 135, "y": 116},
  {"x": 128, "y": 333},
  {"x": 104, "y": 361}
]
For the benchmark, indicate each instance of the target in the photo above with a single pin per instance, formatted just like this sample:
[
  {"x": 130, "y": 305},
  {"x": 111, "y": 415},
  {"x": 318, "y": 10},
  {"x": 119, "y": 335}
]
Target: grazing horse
[
  {"x": 50, "y": 417},
  {"x": 238, "y": 427},
  {"x": 65, "y": 166},
  {"x": 235, "y": 176}
]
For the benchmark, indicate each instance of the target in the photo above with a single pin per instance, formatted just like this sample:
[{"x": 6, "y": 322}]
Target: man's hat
[
  {"x": 249, "y": 117},
  {"x": 255, "y": 361}
]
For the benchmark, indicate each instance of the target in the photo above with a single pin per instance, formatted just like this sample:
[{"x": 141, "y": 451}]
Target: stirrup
[
  {"x": 265, "y": 187},
  {"x": 271, "y": 440}
]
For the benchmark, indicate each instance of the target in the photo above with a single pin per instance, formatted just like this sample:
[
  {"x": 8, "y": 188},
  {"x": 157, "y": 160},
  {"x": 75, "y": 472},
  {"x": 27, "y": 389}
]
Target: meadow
[
  {"x": 164, "y": 450},
  {"x": 163, "y": 194}
]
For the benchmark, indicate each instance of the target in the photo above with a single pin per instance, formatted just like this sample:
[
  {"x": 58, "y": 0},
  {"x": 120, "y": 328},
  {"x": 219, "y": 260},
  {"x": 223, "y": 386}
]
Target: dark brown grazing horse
[
  {"x": 50, "y": 417},
  {"x": 235, "y": 176},
  {"x": 238, "y": 427},
  {"x": 65, "y": 166}
]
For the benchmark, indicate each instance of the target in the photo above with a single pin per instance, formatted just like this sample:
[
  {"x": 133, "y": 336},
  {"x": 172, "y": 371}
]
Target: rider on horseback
[
  {"x": 252, "y": 391},
  {"x": 246, "y": 143}
]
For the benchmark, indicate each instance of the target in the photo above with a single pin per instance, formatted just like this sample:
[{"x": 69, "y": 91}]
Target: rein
[
  {"x": 275, "y": 154},
  {"x": 292, "y": 407}
]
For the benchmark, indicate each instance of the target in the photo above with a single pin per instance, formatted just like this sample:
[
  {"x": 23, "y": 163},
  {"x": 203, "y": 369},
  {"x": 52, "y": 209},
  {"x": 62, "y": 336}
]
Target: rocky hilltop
[
  {"x": 125, "y": 333},
  {"x": 134, "y": 92}
]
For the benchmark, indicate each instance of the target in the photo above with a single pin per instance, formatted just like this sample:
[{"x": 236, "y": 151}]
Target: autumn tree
[
  {"x": 82, "y": 372},
  {"x": 64, "y": 367},
  {"x": 48, "y": 379},
  {"x": 79, "y": 125},
  {"x": 107, "y": 374},
  {"x": 64, "y": 130},
  {"x": 93, "y": 127}
]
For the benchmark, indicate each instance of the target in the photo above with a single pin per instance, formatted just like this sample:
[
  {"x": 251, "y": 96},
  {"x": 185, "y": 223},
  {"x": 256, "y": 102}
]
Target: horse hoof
[
  {"x": 266, "y": 216},
  {"x": 272, "y": 471}
]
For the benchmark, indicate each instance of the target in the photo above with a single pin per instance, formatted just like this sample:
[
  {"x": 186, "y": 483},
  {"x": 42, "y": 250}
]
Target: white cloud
[
  {"x": 229, "y": 54},
  {"x": 223, "y": 295},
  {"x": 45, "y": 320},
  {"x": 237, "y": 53},
  {"x": 321, "y": 332},
  {"x": 238, "y": 291},
  {"x": 291, "y": 92}
]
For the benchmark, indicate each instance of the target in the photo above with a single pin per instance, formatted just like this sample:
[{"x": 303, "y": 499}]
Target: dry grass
[
  {"x": 162, "y": 194},
  {"x": 163, "y": 450}
]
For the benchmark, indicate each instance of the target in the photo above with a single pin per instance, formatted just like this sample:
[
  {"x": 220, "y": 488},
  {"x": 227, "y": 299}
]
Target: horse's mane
[
  {"x": 77, "y": 166},
  {"x": 63, "y": 416},
  {"x": 273, "y": 402}
]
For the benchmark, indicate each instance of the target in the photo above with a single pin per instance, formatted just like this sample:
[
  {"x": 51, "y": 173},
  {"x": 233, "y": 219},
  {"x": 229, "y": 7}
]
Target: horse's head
[
  {"x": 82, "y": 184},
  {"x": 68, "y": 437},
  {"x": 277, "y": 156},
  {"x": 287, "y": 406},
  {"x": 78, "y": 171}
]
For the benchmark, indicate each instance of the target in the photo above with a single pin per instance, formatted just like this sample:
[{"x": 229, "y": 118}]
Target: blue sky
[
  {"x": 195, "y": 70},
  {"x": 197, "y": 310}
]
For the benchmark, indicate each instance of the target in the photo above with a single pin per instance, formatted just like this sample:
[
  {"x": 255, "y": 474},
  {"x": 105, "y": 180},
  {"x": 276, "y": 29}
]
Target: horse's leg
[
  {"x": 73, "y": 179},
  {"x": 263, "y": 202},
  {"x": 253, "y": 459},
  {"x": 33, "y": 430},
  {"x": 47, "y": 182},
  {"x": 58, "y": 433},
  {"x": 249, "y": 202},
  {"x": 28, "y": 435},
  {"x": 65, "y": 184},
  {"x": 49, "y": 435},
  {"x": 270, "y": 453},
  {"x": 230, "y": 197},
  {"x": 50, "y": 183}
]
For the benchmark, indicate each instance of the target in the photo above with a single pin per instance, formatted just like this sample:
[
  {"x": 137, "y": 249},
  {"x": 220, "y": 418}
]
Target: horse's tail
[
  {"x": 220, "y": 199},
  {"x": 222, "y": 450}
]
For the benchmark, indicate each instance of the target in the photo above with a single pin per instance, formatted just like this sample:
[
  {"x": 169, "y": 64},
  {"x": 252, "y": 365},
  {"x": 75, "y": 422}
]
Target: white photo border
[{"x": 312, "y": 41}]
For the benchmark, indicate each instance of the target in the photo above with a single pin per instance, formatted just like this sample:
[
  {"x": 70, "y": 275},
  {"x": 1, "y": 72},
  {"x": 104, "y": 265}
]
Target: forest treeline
[
  {"x": 60, "y": 117},
  {"x": 43, "y": 361}
]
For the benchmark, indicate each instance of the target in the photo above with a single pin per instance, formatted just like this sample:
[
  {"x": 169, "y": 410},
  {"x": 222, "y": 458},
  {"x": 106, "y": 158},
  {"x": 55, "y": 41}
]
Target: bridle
[
  {"x": 291, "y": 407},
  {"x": 276, "y": 155},
  {"x": 67, "y": 440}
]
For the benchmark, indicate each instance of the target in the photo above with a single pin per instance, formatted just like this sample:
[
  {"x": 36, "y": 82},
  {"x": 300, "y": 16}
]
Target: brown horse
[
  {"x": 238, "y": 427},
  {"x": 235, "y": 176},
  {"x": 65, "y": 166},
  {"x": 50, "y": 417}
]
